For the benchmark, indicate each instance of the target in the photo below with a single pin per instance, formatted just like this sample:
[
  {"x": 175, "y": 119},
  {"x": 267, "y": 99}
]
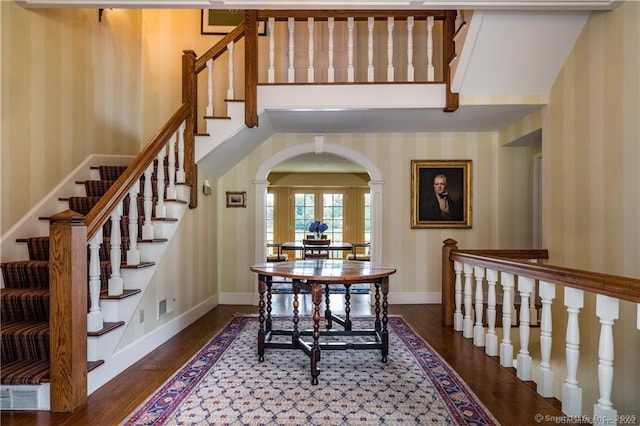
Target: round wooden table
[{"x": 312, "y": 275}]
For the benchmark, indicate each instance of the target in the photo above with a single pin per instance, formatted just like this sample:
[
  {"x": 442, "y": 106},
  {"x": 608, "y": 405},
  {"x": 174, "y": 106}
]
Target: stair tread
[{"x": 107, "y": 327}]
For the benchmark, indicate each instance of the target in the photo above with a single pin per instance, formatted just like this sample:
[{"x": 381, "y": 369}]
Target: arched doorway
[{"x": 318, "y": 146}]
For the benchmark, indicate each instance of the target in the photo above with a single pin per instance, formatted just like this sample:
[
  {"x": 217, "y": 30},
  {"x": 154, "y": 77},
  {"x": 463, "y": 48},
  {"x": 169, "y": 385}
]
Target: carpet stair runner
[{"x": 24, "y": 302}]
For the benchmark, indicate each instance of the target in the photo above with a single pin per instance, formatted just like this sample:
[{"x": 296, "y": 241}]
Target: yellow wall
[
  {"x": 414, "y": 252},
  {"x": 69, "y": 89},
  {"x": 591, "y": 180}
]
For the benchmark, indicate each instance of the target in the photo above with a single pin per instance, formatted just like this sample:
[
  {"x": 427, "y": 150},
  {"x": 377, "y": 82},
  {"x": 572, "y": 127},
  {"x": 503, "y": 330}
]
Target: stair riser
[
  {"x": 26, "y": 344},
  {"x": 27, "y": 305}
]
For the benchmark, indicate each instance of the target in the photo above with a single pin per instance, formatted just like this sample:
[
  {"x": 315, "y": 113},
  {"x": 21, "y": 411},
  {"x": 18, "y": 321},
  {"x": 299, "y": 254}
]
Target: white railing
[{"x": 478, "y": 274}]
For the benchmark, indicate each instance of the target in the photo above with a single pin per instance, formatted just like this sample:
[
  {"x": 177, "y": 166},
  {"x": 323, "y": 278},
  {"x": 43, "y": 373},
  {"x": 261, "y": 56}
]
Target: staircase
[{"x": 25, "y": 299}]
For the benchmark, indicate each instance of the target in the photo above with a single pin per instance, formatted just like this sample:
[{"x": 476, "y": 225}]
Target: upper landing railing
[
  {"x": 477, "y": 284},
  {"x": 334, "y": 47}
]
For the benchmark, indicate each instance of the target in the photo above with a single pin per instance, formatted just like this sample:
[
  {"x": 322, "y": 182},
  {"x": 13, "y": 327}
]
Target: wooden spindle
[
  {"x": 291, "y": 72},
  {"x": 607, "y": 309},
  {"x": 430, "y": 68},
  {"x": 410, "y": 69},
  {"x": 210, "y": 87},
  {"x": 547, "y": 293},
  {"x": 457, "y": 315},
  {"x": 116, "y": 284},
  {"x": 524, "y": 361},
  {"x": 133, "y": 254},
  {"x": 491, "y": 338},
  {"x": 271, "y": 73},
  {"x": 147, "y": 227},
  {"x": 467, "y": 323},
  {"x": 478, "y": 328},
  {"x": 350, "y": 69},
  {"x": 370, "y": 69},
  {"x": 506, "y": 347},
  {"x": 390, "y": 69},
  {"x": 310, "y": 69},
  {"x": 330, "y": 69},
  {"x": 230, "y": 91},
  {"x": 571, "y": 392}
]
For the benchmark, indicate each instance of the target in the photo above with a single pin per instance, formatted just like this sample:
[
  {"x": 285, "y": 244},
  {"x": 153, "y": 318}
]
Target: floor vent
[{"x": 24, "y": 397}]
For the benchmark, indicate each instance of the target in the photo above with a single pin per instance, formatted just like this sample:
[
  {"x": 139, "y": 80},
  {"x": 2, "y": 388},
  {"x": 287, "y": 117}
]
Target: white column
[
  {"x": 430, "y": 69},
  {"x": 147, "y": 228},
  {"x": 133, "y": 254},
  {"x": 457, "y": 315},
  {"x": 350, "y": 70},
  {"x": 571, "y": 392},
  {"x": 161, "y": 209},
  {"x": 390, "y": 71},
  {"x": 210, "y": 87},
  {"x": 310, "y": 69},
  {"x": 607, "y": 310},
  {"x": 116, "y": 284},
  {"x": 370, "y": 76},
  {"x": 524, "y": 360},
  {"x": 491, "y": 338},
  {"x": 467, "y": 323},
  {"x": 410, "y": 70},
  {"x": 506, "y": 348},
  {"x": 171, "y": 168},
  {"x": 545, "y": 374},
  {"x": 271, "y": 74},
  {"x": 94, "y": 317},
  {"x": 291, "y": 74},
  {"x": 230, "y": 49},
  {"x": 330, "y": 69},
  {"x": 478, "y": 328}
]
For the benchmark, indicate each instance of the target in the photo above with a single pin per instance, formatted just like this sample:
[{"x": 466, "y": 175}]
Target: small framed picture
[
  {"x": 441, "y": 193},
  {"x": 236, "y": 199},
  {"x": 222, "y": 21}
]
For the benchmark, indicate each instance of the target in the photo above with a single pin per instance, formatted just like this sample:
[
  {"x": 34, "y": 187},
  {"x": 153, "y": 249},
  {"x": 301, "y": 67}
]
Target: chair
[
  {"x": 278, "y": 256},
  {"x": 315, "y": 249},
  {"x": 364, "y": 256}
]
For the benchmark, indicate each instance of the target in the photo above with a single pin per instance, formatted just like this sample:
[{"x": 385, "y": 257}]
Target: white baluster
[
  {"x": 230, "y": 49},
  {"x": 271, "y": 74},
  {"x": 478, "y": 328},
  {"x": 291, "y": 74},
  {"x": 430, "y": 69},
  {"x": 161, "y": 209},
  {"x": 410, "y": 70},
  {"x": 506, "y": 348},
  {"x": 116, "y": 284},
  {"x": 350, "y": 70},
  {"x": 94, "y": 317},
  {"x": 181, "y": 176},
  {"x": 370, "y": 76},
  {"x": 571, "y": 392},
  {"x": 457, "y": 315},
  {"x": 210, "y": 87},
  {"x": 133, "y": 254},
  {"x": 459, "y": 19},
  {"x": 491, "y": 338},
  {"x": 330, "y": 69},
  {"x": 545, "y": 374},
  {"x": 310, "y": 70},
  {"x": 524, "y": 360},
  {"x": 147, "y": 228},
  {"x": 467, "y": 323},
  {"x": 171, "y": 168},
  {"x": 390, "y": 71},
  {"x": 607, "y": 310}
]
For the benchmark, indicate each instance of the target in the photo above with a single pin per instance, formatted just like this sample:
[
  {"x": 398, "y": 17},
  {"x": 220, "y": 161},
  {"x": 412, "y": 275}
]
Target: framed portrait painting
[
  {"x": 236, "y": 199},
  {"x": 222, "y": 21},
  {"x": 441, "y": 193}
]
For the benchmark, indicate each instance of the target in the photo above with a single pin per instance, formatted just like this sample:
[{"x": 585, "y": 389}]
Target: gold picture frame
[
  {"x": 236, "y": 199},
  {"x": 450, "y": 208},
  {"x": 222, "y": 21}
]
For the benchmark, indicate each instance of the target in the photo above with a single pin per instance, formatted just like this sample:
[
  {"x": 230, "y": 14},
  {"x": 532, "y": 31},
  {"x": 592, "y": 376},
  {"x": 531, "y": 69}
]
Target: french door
[{"x": 325, "y": 205}]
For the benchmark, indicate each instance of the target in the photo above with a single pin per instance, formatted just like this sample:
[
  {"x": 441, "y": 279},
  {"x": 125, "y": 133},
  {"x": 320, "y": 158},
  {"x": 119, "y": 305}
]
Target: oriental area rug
[{"x": 225, "y": 384}]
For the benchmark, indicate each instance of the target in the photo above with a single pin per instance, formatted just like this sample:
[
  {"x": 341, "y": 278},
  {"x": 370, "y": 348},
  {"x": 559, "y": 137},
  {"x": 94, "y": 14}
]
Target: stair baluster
[
  {"x": 133, "y": 254},
  {"x": 116, "y": 283},
  {"x": 95, "y": 319},
  {"x": 147, "y": 228}
]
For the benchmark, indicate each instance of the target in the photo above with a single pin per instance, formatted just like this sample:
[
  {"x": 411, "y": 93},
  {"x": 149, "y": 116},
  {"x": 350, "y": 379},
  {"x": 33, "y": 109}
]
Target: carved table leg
[
  {"x": 316, "y": 291},
  {"x": 327, "y": 311},
  {"x": 295, "y": 335},
  {"x": 347, "y": 307},
  {"x": 377, "y": 307},
  {"x": 268, "y": 321},
  {"x": 385, "y": 319},
  {"x": 262, "y": 287}
]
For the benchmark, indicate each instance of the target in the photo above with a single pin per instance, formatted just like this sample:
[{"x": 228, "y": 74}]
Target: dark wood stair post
[
  {"x": 68, "y": 314},
  {"x": 448, "y": 282}
]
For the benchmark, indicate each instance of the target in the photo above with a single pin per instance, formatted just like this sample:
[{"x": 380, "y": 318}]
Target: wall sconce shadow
[{"x": 206, "y": 187}]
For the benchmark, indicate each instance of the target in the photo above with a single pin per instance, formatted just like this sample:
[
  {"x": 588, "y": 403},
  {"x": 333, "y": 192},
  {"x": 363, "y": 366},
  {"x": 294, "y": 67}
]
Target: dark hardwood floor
[{"x": 509, "y": 400}]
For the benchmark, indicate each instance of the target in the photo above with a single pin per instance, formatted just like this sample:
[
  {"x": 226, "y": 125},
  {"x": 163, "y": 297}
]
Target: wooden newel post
[
  {"x": 189, "y": 94},
  {"x": 448, "y": 282},
  {"x": 68, "y": 311},
  {"x": 251, "y": 68}
]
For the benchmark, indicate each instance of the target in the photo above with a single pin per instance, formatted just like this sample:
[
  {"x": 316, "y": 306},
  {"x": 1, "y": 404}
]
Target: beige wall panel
[
  {"x": 69, "y": 89},
  {"x": 591, "y": 199}
]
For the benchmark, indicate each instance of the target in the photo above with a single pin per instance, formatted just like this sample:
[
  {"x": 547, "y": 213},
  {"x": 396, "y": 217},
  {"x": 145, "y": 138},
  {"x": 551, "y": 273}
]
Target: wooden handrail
[
  {"x": 120, "y": 188},
  {"x": 358, "y": 15},
  {"x": 219, "y": 48},
  {"x": 623, "y": 288}
]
